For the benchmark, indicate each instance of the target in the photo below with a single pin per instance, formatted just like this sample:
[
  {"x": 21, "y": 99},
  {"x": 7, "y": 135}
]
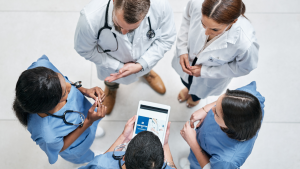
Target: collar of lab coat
[{"x": 229, "y": 36}]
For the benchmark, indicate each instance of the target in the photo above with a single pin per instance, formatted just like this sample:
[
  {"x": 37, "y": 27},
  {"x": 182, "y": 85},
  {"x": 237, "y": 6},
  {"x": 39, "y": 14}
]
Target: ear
[{"x": 123, "y": 158}]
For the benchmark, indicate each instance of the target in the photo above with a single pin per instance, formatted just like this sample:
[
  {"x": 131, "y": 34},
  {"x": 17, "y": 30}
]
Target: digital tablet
[{"x": 152, "y": 117}]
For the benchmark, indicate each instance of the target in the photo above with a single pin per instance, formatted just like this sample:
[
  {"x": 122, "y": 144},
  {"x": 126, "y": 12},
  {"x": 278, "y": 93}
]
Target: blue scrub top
[
  {"x": 106, "y": 161},
  {"x": 49, "y": 132},
  {"x": 226, "y": 153}
]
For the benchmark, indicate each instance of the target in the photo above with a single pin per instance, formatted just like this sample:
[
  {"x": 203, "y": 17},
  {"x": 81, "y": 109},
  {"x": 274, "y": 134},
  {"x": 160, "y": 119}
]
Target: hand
[
  {"x": 94, "y": 93},
  {"x": 167, "y": 134},
  {"x": 128, "y": 129},
  {"x": 94, "y": 116},
  {"x": 126, "y": 70},
  {"x": 188, "y": 134},
  {"x": 185, "y": 64},
  {"x": 198, "y": 115},
  {"x": 196, "y": 70}
]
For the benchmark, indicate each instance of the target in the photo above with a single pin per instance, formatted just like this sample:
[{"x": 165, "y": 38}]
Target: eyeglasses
[{"x": 71, "y": 117}]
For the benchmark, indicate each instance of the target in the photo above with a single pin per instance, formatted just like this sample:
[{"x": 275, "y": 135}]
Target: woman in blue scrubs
[
  {"x": 228, "y": 128},
  {"x": 56, "y": 113}
]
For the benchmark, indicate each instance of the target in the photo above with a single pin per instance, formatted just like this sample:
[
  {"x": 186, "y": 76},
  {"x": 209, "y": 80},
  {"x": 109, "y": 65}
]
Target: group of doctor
[{"x": 126, "y": 39}]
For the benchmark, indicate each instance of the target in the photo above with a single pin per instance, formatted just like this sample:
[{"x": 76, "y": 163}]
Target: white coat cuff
[
  {"x": 204, "y": 72},
  {"x": 182, "y": 51},
  {"x": 207, "y": 166},
  {"x": 143, "y": 63},
  {"x": 120, "y": 66}
]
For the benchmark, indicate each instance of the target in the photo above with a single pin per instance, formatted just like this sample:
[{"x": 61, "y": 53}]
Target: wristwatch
[{"x": 77, "y": 84}]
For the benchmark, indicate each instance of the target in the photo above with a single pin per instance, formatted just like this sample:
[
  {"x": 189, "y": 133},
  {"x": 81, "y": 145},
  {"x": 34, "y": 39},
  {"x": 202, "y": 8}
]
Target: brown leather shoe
[
  {"x": 183, "y": 95},
  {"x": 110, "y": 99},
  {"x": 190, "y": 103},
  {"x": 155, "y": 82}
]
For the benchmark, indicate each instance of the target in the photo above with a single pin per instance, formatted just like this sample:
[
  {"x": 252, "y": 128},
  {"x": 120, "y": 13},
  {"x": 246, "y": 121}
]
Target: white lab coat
[
  {"x": 142, "y": 50},
  {"x": 233, "y": 54}
]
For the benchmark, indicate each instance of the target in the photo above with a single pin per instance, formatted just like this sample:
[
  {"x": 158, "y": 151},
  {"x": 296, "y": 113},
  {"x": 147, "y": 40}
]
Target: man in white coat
[{"x": 125, "y": 39}]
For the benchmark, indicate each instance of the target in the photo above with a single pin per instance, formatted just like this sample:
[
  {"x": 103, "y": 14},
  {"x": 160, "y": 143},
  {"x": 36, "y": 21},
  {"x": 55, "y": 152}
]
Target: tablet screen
[{"x": 152, "y": 119}]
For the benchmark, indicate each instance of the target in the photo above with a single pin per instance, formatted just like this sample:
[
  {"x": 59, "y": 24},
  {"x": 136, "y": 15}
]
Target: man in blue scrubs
[{"x": 143, "y": 151}]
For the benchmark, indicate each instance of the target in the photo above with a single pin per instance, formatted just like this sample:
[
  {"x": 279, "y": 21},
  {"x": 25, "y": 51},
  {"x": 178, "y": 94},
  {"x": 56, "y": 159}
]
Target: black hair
[
  {"x": 38, "y": 90},
  {"x": 144, "y": 152},
  {"x": 242, "y": 114}
]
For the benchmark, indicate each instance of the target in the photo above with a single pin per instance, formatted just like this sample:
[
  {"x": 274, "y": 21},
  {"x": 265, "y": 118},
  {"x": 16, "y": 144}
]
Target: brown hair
[
  {"x": 134, "y": 10},
  {"x": 223, "y": 11}
]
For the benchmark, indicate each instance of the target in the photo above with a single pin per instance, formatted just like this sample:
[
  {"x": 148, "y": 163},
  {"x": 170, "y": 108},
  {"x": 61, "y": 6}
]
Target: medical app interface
[{"x": 146, "y": 122}]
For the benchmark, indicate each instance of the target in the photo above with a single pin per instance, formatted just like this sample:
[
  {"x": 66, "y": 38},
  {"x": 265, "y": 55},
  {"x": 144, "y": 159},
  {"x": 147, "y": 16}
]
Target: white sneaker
[
  {"x": 96, "y": 152},
  {"x": 184, "y": 163},
  {"x": 99, "y": 132}
]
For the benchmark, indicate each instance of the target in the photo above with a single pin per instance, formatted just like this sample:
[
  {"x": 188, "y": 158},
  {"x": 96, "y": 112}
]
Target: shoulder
[
  {"x": 93, "y": 7},
  {"x": 215, "y": 162},
  {"x": 40, "y": 131},
  {"x": 103, "y": 161},
  {"x": 94, "y": 13},
  {"x": 242, "y": 34}
]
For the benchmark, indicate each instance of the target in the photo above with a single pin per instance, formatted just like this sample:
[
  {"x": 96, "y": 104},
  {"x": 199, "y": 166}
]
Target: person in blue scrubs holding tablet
[
  {"x": 56, "y": 113},
  {"x": 227, "y": 130},
  {"x": 144, "y": 151}
]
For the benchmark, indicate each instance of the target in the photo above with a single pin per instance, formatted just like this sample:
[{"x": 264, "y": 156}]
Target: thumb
[
  {"x": 94, "y": 105},
  {"x": 122, "y": 70}
]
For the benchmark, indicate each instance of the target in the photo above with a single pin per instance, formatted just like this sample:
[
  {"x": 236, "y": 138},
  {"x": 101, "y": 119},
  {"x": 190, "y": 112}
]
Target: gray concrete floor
[{"x": 32, "y": 28}]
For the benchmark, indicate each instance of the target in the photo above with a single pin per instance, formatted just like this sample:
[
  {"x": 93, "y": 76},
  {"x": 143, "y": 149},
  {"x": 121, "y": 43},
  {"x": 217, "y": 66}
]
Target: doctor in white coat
[
  {"x": 216, "y": 42},
  {"x": 125, "y": 39}
]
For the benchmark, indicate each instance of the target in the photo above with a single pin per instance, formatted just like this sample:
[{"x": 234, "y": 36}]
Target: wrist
[
  {"x": 88, "y": 122},
  {"x": 124, "y": 139},
  {"x": 139, "y": 66},
  {"x": 192, "y": 142}
]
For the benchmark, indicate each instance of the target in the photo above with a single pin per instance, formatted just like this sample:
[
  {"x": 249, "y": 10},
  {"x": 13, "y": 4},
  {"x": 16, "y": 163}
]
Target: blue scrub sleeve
[
  {"x": 251, "y": 88},
  {"x": 52, "y": 150},
  {"x": 217, "y": 164}
]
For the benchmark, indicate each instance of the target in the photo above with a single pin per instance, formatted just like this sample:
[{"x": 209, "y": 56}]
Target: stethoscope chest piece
[{"x": 150, "y": 34}]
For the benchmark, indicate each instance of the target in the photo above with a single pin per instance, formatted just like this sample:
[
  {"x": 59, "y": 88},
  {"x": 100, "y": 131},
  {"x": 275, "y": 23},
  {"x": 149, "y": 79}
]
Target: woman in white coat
[{"x": 215, "y": 43}]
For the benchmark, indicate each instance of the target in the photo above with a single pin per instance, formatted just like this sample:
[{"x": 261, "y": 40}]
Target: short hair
[
  {"x": 134, "y": 10},
  {"x": 242, "y": 114},
  {"x": 144, "y": 151}
]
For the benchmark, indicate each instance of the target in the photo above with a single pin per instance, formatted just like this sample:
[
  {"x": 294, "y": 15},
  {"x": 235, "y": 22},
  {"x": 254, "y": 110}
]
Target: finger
[
  {"x": 93, "y": 97},
  {"x": 122, "y": 70},
  {"x": 98, "y": 94},
  {"x": 192, "y": 124},
  {"x": 184, "y": 67},
  {"x": 132, "y": 120},
  {"x": 93, "y": 106},
  {"x": 168, "y": 129},
  {"x": 187, "y": 63},
  {"x": 114, "y": 74},
  {"x": 102, "y": 99},
  {"x": 198, "y": 125}
]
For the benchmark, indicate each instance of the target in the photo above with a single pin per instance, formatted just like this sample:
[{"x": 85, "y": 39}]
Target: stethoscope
[{"x": 150, "y": 34}]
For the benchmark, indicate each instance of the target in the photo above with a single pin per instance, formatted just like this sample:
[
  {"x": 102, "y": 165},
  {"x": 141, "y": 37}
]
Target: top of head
[{"x": 144, "y": 152}]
